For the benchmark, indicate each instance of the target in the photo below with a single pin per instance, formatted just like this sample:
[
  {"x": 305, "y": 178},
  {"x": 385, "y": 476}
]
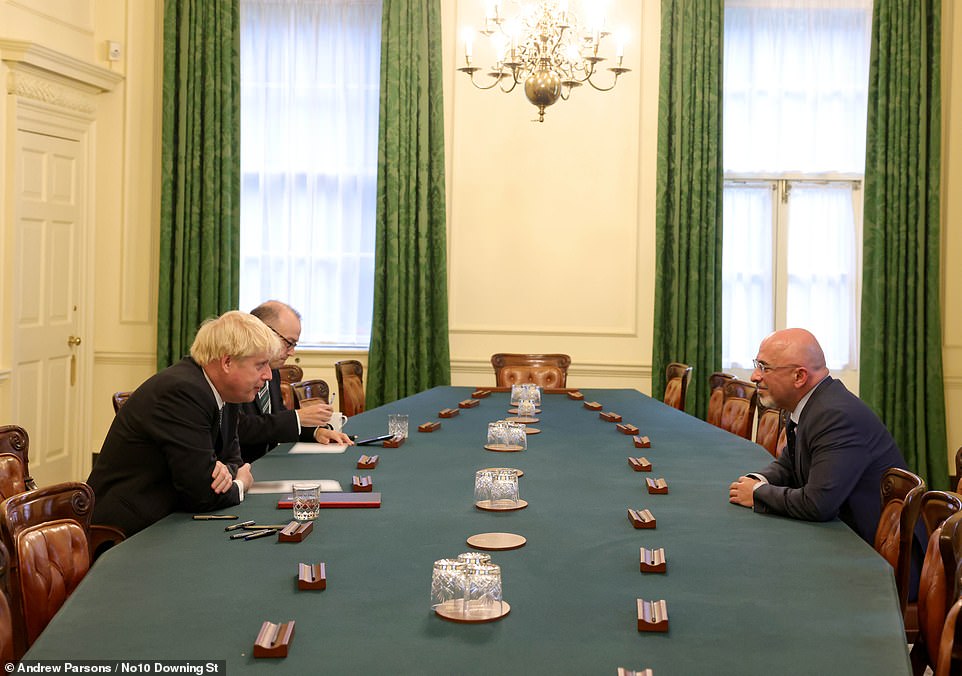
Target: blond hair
[{"x": 235, "y": 334}]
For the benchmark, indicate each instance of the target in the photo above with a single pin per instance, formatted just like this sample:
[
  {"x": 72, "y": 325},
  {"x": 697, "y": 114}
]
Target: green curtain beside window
[
  {"x": 688, "y": 237},
  {"x": 200, "y": 175},
  {"x": 409, "y": 332},
  {"x": 901, "y": 348}
]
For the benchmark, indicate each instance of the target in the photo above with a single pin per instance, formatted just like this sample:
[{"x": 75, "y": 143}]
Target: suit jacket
[
  {"x": 260, "y": 432},
  {"x": 160, "y": 451},
  {"x": 841, "y": 451}
]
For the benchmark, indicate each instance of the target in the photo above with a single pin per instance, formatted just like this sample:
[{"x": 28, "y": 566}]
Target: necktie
[
  {"x": 790, "y": 436},
  {"x": 264, "y": 399}
]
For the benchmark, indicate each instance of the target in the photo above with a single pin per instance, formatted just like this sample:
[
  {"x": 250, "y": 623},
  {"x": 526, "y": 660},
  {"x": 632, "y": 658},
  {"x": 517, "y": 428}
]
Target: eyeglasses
[
  {"x": 765, "y": 368},
  {"x": 290, "y": 343}
]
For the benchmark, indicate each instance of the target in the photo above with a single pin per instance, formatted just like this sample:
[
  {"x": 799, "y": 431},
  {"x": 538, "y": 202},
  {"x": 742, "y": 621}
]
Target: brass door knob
[{"x": 73, "y": 341}]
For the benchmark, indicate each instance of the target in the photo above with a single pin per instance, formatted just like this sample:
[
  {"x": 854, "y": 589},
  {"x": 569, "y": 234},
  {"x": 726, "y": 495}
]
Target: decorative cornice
[{"x": 50, "y": 64}]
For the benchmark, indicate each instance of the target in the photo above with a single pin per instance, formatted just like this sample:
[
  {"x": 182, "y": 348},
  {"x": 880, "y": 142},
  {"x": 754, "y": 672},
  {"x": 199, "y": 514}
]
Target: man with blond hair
[
  {"x": 837, "y": 447},
  {"x": 173, "y": 446}
]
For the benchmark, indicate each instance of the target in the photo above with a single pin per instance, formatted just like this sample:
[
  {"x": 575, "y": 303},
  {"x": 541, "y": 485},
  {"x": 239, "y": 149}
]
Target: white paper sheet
[
  {"x": 307, "y": 447},
  {"x": 327, "y": 486}
]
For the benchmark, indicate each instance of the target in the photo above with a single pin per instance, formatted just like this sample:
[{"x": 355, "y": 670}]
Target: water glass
[
  {"x": 474, "y": 557},
  {"x": 306, "y": 501},
  {"x": 517, "y": 390},
  {"x": 526, "y": 408},
  {"x": 483, "y": 480},
  {"x": 482, "y": 590},
  {"x": 504, "y": 490},
  {"x": 515, "y": 435},
  {"x": 497, "y": 432},
  {"x": 397, "y": 425},
  {"x": 447, "y": 584}
]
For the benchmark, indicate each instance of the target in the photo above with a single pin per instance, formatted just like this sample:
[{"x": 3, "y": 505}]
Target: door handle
[{"x": 73, "y": 341}]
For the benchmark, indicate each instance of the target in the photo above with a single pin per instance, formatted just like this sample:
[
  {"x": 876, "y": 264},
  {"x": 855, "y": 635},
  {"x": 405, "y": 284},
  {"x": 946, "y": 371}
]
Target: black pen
[
  {"x": 259, "y": 534},
  {"x": 212, "y": 517},
  {"x": 235, "y": 526}
]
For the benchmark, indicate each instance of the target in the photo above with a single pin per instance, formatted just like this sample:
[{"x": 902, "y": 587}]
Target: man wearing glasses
[
  {"x": 265, "y": 422},
  {"x": 837, "y": 448}
]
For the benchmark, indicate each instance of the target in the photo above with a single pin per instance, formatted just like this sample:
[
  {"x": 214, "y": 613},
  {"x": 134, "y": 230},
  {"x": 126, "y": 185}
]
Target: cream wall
[{"x": 572, "y": 199}]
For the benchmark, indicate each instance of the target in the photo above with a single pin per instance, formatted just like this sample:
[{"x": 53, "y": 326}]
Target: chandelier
[{"x": 546, "y": 48}]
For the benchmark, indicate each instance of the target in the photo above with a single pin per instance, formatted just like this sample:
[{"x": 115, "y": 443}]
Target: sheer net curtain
[
  {"x": 309, "y": 103},
  {"x": 795, "y": 93}
]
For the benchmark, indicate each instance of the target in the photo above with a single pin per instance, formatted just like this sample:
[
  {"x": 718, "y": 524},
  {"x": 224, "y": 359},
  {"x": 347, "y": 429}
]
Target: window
[
  {"x": 309, "y": 115},
  {"x": 795, "y": 97}
]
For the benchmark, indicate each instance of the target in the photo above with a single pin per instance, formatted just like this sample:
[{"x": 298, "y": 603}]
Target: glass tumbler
[
  {"x": 482, "y": 591},
  {"x": 447, "y": 584}
]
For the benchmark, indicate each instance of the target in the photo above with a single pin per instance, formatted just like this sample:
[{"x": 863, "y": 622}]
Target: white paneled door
[{"x": 50, "y": 214}]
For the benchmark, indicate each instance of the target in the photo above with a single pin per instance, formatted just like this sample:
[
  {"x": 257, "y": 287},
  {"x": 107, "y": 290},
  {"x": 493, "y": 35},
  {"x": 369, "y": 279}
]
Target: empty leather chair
[
  {"x": 716, "y": 398},
  {"x": 118, "y": 399},
  {"x": 770, "y": 429},
  {"x": 677, "y": 377},
  {"x": 311, "y": 389},
  {"x": 350, "y": 383},
  {"x": 545, "y": 370},
  {"x": 15, "y": 441},
  {"x": 738, "y": 411},
  {"x": 46, "y": 534}
]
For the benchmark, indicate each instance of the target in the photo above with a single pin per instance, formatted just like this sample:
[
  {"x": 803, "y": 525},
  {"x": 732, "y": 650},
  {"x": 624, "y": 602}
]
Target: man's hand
[
  {"x": 742, "y": 491},
  {"x": 222, "y": 480},
  {"x": 245, "y": 477},
  {"x": 323, "y": 435},
  {"x": 314, "y": 413}
]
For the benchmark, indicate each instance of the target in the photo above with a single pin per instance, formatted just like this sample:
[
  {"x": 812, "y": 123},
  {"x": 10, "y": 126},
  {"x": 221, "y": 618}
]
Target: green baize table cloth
[{"x": 746, "y": 593}]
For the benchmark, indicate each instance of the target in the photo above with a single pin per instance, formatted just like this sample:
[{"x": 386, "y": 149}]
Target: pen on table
[
  {"x": 242, "y": 524},
  {"x": 259, "y": 534},
  {"x": 212, "y": 517}
]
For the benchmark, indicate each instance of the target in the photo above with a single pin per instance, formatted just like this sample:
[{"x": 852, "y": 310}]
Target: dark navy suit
[
  {"x": 160, "y": 451},
  {"x": 260, "y": 432}
]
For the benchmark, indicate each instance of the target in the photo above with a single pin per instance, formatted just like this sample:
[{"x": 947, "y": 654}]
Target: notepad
[
  {"x": 264, "y": 487},
  {"x": 307, "y": 447}
]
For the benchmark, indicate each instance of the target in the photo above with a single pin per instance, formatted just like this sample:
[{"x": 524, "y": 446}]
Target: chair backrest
[
  {"x": 11, "y": 476},
  {"x": 544, "y": 370},
  {"x": 677, "y": 377},
  {"x": 770, "y": 428},
  {"x": 350, "y": 385},
  {"x": 958, "y": 465},
  {"x": 950, "y": 643},
  {"x": 716, "y": 398},
  {"x": 15, "y": 441},
  {"x": 6, "y": 617},
  {"x": 118, "y": 399},
  {"x": 901, "y": 493},
  {"x": 46, "y": 533},
  {"x": 941, "y": 513},
  {"x": 738, "y": 411},
  {"x": 311, "y": 389},
  {"x": 291, "y": 373}
]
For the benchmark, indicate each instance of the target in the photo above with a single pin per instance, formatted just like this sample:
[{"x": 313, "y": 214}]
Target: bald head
[{"x": 793, "y": 364}]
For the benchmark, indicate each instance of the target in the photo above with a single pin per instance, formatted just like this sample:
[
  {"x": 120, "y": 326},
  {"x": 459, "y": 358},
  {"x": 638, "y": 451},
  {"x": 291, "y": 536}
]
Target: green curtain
[
  {"x": 409, "y": 332},
  {"x": 901, "y": 348},
  {"x": 200, "y": 174},
  {"x": 688, "y": 212}
]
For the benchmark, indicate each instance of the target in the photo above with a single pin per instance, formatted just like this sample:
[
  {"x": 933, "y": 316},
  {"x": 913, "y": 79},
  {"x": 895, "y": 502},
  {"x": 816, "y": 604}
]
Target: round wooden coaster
[
  {"x": 526, "y": 419},
  {"x": 504, "y": 448},
  {"x": 515, "y": 410},
  {"x": 497, "y": 541},
  {"x": 487, "y": 506},
  {"x": 452, "y": 610},
  {"x": 520, "y": 472},
  {"x": 532, "y": 430}
]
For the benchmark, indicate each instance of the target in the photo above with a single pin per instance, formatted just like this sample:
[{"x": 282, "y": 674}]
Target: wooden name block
[
  {"x": 368, "y": 461},
  {"x": 653, "y": 560},
  {"x": 639, "y": 464},
  {"x": 362, "y": 484},
  {"x": 641, "y": 442},
  {"x": 652, "y": 615},
  {"x": 641, "y": 518},
  {"x": 592, "y": 405},
  {"x": 394, "y": 442},
  {"x": 627, "y": 428},
  {"x": 630, "y": 672},
  {"x": 480, "y": 394},
  {"x": 429, "y": 426},
  {"x": 609, "y": 416},
  {"x": 273, "y": 639},
  {"x": 311, "y": 577},
  {"x": 657, "y": 487},
  {"x": 468, "y": 403},
  {"x": 448, "y": 412},
  {"x": 295, "y": 531},
  {"x": 576, "y": 395}
]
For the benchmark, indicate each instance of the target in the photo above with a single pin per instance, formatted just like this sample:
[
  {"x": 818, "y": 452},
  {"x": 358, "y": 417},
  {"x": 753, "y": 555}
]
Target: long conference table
[{"x": 745, "y": 593}]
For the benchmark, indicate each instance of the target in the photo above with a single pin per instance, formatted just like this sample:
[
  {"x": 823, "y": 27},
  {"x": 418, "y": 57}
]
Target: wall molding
[
  {"x": 32, "y": 58},
  {"x": 125, "y": 358}
]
